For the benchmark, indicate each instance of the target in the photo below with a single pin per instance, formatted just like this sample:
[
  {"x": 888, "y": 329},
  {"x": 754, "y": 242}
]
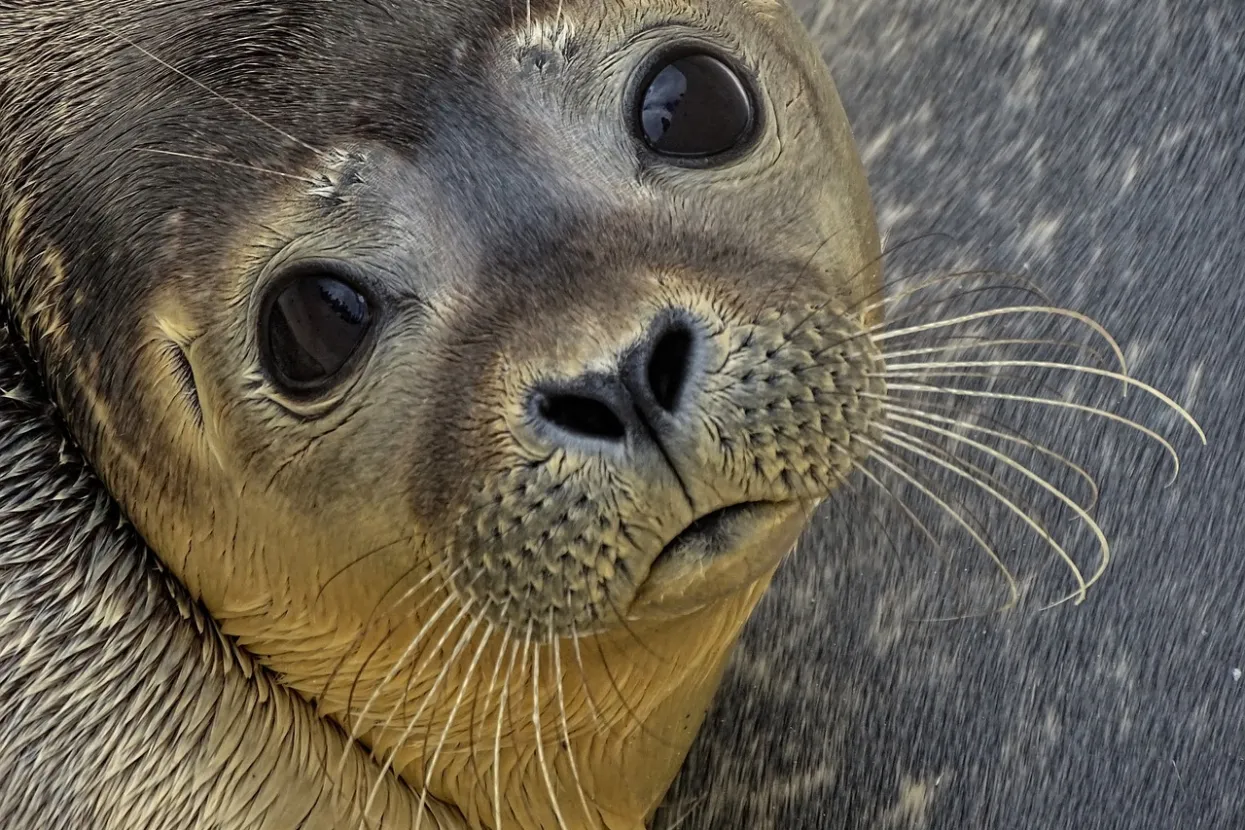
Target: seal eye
[
  {"x": 313, "y": 324},
  {"x": 694, "y": 106}
]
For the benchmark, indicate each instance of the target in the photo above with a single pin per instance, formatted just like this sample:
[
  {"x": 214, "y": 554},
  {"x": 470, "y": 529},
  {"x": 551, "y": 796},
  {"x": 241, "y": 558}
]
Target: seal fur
[
  {"x": 386, "y": 546},
  {"x": 123, "y": 705}
]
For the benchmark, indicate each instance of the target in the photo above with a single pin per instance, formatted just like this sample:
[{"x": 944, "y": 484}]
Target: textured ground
[{"x": 1099, "y": 149}]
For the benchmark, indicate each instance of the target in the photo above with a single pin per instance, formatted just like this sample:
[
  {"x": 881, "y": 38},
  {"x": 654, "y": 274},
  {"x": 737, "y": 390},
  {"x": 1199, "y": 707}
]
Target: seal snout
[
  {"x": 648, "y": 395},
  {"x": 677, "y": 466}
]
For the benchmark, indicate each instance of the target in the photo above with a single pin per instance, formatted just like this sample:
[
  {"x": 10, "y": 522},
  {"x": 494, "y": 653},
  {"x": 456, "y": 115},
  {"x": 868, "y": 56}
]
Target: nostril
[
  {"x": 668, "y": 366},
  {"x": 585, "y": 417}
]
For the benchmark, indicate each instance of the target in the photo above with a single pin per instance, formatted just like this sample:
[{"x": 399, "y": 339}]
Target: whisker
[
  {"x": 357, "y": 723},
  {"x": 898, "y": 370},
  {"x": 921, "y": 526},
  {"x": 869, "y": 331},
  {"x": 1104, "y": 546},
  {"x": 207, "y": 89},
  {"x": 566, "y": 731},
  {"x": 400, "y": 702},
  {"x": 885, "y": 458},
  {"x": 1062, "y": 404},
  {"x": 397, "y": 666},
  {"x": 915, "y": 446},
  {"x": 449, "y": 721},
  {"x": 986, "y": 342},
  {"x": 995, "y": 433},
  {"x": 488, "y": 696},
  {"x": 583, "y": 676},
  {"x": 1054, "y": 311},
  {"x": 976, "y": 472},
  {"x": 540, "y": 740},
  {"x": 463, "y": 640},
  {"x": 224, "y": 163},
  {"x": 501, "y": 710},
  {"x": 367, "y": 624}
]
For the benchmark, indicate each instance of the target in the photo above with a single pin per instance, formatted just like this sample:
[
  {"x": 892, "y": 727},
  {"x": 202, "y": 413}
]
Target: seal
[{"x": 473, "y": 365}]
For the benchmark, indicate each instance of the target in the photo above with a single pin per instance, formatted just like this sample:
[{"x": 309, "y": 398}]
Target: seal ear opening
[{"x": 179, "y": 366}]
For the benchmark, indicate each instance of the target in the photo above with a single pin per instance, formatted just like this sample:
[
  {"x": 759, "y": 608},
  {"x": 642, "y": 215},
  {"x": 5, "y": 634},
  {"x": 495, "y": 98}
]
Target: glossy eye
[
  {"x": 693, "y": 107},
  {"x": 312, "y": 326}
]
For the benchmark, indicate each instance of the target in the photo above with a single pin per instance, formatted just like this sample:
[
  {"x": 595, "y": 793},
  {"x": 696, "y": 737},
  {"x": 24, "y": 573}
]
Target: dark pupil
[
  {"x": 314, "y": 327},
  {"x": 695, "y": 106}
]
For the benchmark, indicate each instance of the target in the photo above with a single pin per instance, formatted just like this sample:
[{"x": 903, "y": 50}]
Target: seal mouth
[
  {"x": 719, "y": 554},
  {"x": 709, "y": 532}
]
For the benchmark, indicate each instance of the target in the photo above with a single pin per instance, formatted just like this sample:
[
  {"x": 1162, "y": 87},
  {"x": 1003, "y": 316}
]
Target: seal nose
[
  {"x": 579, "y": 410},
  {"x": 656, "y": 373},
  {"x": 650, "y": 387}
]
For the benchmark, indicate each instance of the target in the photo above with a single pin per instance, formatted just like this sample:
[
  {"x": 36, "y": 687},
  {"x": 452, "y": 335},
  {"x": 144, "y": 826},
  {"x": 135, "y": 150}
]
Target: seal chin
[{"x": 717, "y": 555}]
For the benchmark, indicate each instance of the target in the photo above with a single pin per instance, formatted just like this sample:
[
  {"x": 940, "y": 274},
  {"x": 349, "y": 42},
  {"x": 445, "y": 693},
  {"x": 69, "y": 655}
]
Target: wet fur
[
  {"x": 123, "y": 706},
  {"x": 132, "y": 270}
]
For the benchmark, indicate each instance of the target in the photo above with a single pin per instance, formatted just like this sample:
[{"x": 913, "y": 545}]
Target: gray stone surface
[{"x": 1098, "y": 149}]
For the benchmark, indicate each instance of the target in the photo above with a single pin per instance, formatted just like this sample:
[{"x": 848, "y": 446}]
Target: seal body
[{"x": 472, "y": 364}]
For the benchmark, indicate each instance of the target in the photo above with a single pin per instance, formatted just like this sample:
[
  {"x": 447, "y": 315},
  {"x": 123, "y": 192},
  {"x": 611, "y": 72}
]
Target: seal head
[{"x": 474, "y": 363}]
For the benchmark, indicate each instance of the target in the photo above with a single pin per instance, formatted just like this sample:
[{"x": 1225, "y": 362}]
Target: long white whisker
[
  {"x": 449, "y": 722},
  {"x": 207, "y": 89},
  {"x": 908, "y": 369},
  {"x": 1002, "y": 436},
  {"x": 501, "y": 710},
  {"x": 401, "y": 662},
  {"x": 540, "y": 740},
  {"x": 435, "y": 570},
  {"x": 958, "y": 391},
  {"x": 1053, "y": 311},
  {"x": 357, "y": 723},
  {"x": 224, "y": 163},
  {"x": 583, "y": 676},
  {"x": 914, "y": 445},
  {"x": 566, "y": 731},
  {"x": 1103, "y": 545},
  {"x": 883, "y": 457},
  {"x": 990, "y": 343},
  {"x": 488, "y": 695},
  {"x": 867, "y": 473},
  {"x": 431, "y": 693}
]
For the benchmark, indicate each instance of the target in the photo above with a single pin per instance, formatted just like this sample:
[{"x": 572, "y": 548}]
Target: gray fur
[{"x": 1096, "y": 149}]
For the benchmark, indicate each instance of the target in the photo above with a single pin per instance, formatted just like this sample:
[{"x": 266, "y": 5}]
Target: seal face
[{"x": 461, "y": 358}]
